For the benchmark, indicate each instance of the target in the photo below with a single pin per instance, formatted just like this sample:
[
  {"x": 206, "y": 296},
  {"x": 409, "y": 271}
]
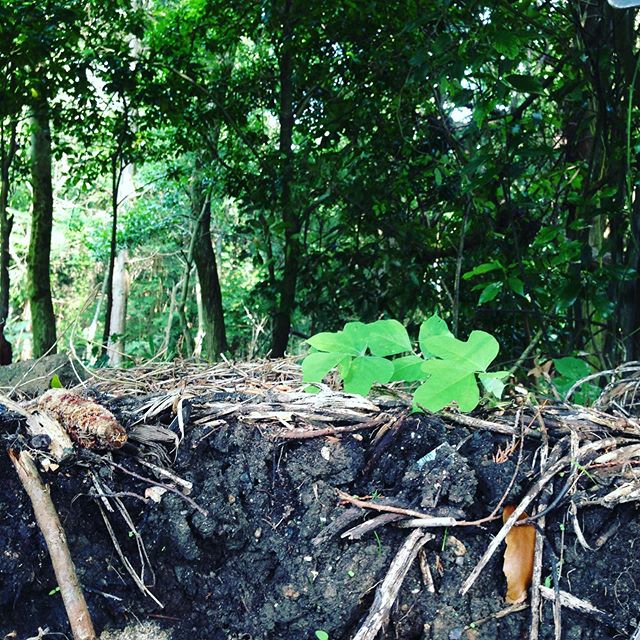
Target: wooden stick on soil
[
  {"x": 51, "y": 528},
  {"x": 387, "y": 592}
]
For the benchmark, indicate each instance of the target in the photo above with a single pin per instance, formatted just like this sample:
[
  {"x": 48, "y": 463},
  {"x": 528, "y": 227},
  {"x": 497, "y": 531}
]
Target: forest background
[{"x": 186, "y": 178}]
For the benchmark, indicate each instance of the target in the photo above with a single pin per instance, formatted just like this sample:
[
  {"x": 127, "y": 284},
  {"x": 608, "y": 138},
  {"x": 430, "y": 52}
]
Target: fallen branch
[
  {"x": 56, "y": 540},
  {"x": 387, "y": 592},
  {"x": 577, "y": 604}
]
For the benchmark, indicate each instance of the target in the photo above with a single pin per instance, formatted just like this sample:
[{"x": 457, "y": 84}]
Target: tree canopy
[{"x": 265, "y": 171}]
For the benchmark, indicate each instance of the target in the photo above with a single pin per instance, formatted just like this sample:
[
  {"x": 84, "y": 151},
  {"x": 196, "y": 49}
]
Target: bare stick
[
  {"x": 425, "y": 517},
  {"x": 503, "y": 613},
  {"x": 534, "y": 629},
  {"x": 355, "y": 533},
  {"x": 53, "y": 533},
  {"x": 577, "y": 604},
  {"x": 306, "y": 434},
  {"x": 477, "y": 423},
  {"x": 387, "y": 592},
  {"x": 425, "y": 570}
]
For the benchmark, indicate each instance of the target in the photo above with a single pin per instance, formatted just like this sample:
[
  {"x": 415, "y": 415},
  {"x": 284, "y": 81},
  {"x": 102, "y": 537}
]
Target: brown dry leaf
[{"x": 518, "y": 558}]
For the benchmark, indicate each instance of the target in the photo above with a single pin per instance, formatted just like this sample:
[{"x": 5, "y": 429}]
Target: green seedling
[{"x": 448, "y": 370}]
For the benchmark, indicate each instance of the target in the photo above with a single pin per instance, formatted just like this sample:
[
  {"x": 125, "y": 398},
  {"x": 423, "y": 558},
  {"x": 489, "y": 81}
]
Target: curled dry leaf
[
  {"x": 88, "y": 423},
  {"x": 518, "y": 558}
]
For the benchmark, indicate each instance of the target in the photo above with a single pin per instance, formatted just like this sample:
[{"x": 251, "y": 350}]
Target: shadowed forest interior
[{"x": 185, "y": 178}]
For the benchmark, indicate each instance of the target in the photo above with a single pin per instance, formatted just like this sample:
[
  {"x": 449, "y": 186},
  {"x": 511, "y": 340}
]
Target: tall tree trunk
[
  {"x": 215, "y": 340},
  {"x": 38, "y": 262},
  {"x": 120, "y": 297},
  {"x": 9, "y": 149},
  {"x": 287, "y": 284},
  {"x": 116, "y": 176},
  {"x": 124, "y": 189}
]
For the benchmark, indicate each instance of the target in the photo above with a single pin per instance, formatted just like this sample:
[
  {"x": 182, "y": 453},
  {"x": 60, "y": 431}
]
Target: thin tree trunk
[
  {"x": 6, "y": 225},
  {"x": 167, "y": 332},
  {"x": 215, "y": 340},
  {"x": 120, "y": 296},
  {"x": 38, "y": 262},
  {"x": 197, "y": 346},
  {"x": 287, "y": 285},
  {"x": 116, "y": 175},
  {"x": 180, "y": 309},
  {"x": 91, "y": 354}
]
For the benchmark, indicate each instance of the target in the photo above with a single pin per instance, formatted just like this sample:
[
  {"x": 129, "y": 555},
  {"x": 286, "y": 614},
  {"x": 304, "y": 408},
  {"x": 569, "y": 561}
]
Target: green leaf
[
  {"x": 524, "y": 83},
  {"x": 490, "y": 292},
  {"x": 408, "y": 369},
  {"x": 387, "y": 338},
  {"x": 448, "y": 382},
  {"x": 572, "y": 368},
  {"x": 55, "y": 382},
  {"x": 516, "y": 285},
  {"x": 322, "y": 635},
  {"x": 364, "y": 371},
  {"x": 357, "y": 333},
  {"x": 316, "y": 365},
  {"x": 493, "y": 382},
  {"x": 485, "y": 267},
  {"x": 476, "y": 354},
  {"x": 340, "y": 342},
  {"x": 431, "y": 327}
]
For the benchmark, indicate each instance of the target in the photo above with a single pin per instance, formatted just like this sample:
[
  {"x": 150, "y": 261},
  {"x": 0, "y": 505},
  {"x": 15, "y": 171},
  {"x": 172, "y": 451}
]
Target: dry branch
[
  {"x": 56, "y": 540},
  {"x": 387, "y": 592},
  {"x": 577, "y": 604}
]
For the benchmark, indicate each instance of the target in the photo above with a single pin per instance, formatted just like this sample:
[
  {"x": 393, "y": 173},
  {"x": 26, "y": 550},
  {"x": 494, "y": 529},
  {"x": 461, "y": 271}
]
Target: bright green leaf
[
  {"x": 340, "y": 342},
  {"x": 387, "y": 338},
  {"x": 55, "y": 382},
  {"x": 322, "y": 635},
  {"x": 476, "y": 354},
  {"x": 316, "y": 365},
  {"x": 448, "y": 382},
  {"x": 431, "y": 327},
  {"x": 408, "y": 369},
  {"x": 364, "y": 372},
  {"x": 493, "y": 382}
]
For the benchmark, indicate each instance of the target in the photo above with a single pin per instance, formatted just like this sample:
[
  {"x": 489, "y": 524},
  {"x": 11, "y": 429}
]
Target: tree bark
[
  {"x": 38, "y": 261},
  {"x": 214, "y": 340},
  {"x": 9, "y": 149},
  {"x": 288, "y": 282},
  {"x": 118, "y": 320},
  {"x": 116, "y": 172}
]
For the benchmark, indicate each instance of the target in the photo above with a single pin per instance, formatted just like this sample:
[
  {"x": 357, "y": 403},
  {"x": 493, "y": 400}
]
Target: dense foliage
[{"x": 350, "y": 160}]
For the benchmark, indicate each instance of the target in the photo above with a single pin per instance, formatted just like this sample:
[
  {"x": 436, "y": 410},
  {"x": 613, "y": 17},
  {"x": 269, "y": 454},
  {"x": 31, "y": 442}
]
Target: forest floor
[{"x": 257, "y": 549}]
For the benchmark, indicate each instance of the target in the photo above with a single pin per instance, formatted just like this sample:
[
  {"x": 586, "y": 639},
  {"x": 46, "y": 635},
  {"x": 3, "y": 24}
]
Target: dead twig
[
  {"x": 577, "y": 604},
  {"x": 534, "y": 627},
  {"x": 514, "y": 608},
  {"x": 56, "y": 540},
  {"x": 387, "y": 592},
  {"x": 355, "y": 533},
  {"x": 306, "y": 434}
]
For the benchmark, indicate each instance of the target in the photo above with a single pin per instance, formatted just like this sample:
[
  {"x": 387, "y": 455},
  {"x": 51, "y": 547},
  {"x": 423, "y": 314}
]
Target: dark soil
[{"x": 254, "y": 567}]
